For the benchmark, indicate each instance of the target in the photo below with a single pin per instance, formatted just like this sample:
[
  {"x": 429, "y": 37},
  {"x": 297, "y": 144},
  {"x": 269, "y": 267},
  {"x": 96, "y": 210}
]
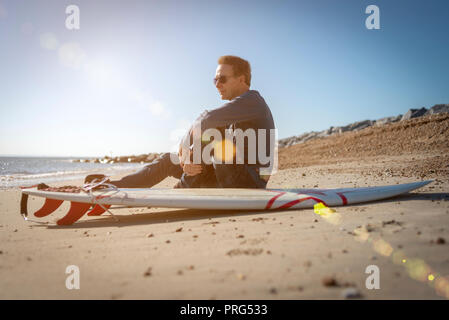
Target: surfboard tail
[
  {"x": 49, "y": 206},
  {"x": 76, "y": 211}
]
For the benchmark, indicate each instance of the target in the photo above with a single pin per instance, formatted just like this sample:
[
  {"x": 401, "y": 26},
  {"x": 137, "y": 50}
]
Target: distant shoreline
[{"x": 26, "y": 171}]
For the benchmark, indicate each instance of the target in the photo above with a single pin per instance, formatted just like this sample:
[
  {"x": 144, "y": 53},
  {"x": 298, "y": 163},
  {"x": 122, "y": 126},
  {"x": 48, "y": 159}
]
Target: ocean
[{"x": 27, "y": 171}]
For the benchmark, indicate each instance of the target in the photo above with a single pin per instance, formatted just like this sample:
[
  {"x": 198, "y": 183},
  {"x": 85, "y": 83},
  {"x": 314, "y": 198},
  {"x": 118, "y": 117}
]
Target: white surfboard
[{"x": 211, "y": 198}]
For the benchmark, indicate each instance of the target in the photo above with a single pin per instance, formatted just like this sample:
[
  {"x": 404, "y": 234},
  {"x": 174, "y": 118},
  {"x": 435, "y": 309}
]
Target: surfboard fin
[
  {"x": 24, "y": 205},
  {"x": 76, "y": 211},
  {"x": 49, "y": 206},
  {"x": 98, "y": 210}
]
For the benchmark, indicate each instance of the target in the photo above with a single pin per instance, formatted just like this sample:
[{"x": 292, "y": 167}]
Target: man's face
[{"x": 227, "y": 85}]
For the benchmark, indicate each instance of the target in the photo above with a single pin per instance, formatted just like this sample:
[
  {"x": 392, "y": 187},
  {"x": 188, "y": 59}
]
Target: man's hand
[{"x": 191, "y": 169}]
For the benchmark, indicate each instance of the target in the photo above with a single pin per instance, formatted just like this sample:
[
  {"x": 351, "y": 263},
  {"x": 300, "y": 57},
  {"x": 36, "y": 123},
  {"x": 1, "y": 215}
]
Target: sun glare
[{"x": 101, "y": 75}]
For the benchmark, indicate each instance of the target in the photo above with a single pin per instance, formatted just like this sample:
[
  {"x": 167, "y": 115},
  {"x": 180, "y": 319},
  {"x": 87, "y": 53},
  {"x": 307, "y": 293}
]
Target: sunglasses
[{"x": 221, "y": 79}]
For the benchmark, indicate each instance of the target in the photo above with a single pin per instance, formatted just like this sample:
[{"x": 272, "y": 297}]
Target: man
[{"x": 245, "y": 110}]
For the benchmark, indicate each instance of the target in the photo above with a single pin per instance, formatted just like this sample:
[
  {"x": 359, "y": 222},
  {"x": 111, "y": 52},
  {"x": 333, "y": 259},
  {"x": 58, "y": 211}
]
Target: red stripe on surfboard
[
  {"x": 292, "y": 203},
  {"x": 77, "y": 210},
  {"x": 101, "y": 197},
  {"x": 343, "y": 198},
  {"x": 272, "y": 200},
  {"x": 49, "y": 206},
  {"x": 98, "y": 210}
]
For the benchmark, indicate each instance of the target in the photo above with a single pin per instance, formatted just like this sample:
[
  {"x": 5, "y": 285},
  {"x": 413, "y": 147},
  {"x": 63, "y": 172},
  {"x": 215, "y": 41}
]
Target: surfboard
[{"x": 208, "y": 198}]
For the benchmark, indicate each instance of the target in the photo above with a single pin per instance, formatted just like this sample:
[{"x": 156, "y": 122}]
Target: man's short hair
[{"x": 239, "y": 65}]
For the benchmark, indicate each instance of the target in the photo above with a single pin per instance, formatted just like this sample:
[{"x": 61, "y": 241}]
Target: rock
[
  {"x": 143, "y": 158},
  {"x": 148, "y": 272},
  {"x": 438, "y": 108},
  {"x": 367, "y": 228},
  {"x": 309, "y": 136},
  {"x": 393, "y": 222},
  {"x": 356, "y": 126},
  {"x": 137, "y": 159},
  {"x": 360, "y": 125},
  {"x": 329, "y": 282},
  {"x": 121, "y": 159},
  {"x": 414, "y": 113},
  {"x": 323, "y": 133},
  {"x": 351, "y": 293},
  {"x": 151, "y": 157},
  {"x": 387, "y": 120}
]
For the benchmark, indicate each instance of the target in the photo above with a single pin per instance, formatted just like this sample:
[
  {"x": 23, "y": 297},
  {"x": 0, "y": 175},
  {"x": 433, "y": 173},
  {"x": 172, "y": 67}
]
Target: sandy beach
[{"x": 158, "y": 253}]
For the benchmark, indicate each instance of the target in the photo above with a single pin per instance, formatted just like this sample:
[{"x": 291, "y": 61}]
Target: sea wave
[{"x": 25, "y": 179}]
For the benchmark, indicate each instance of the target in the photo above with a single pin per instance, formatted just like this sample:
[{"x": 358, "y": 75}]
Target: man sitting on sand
[{"x": 245, "y": 110}]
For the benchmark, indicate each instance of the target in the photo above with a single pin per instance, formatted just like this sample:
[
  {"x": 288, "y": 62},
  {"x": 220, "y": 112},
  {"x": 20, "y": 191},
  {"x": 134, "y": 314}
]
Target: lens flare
[
  {"x": 330, "y": 215},
  {"x": 48, "y": 41},
  {"x": 398, "y": 257},
  {"x": 322, "y": 209},
  {"x": 71, "y": 55},
  {"x": 382, "y": 247},
  {"x": 417, "y": 269},
  {"x": 224, "y": 151},
  {"x": 442, "y": 286}
]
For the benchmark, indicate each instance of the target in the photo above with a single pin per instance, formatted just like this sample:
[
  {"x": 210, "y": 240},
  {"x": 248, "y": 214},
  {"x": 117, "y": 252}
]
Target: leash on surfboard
[
  {"x": 77, "y": 209},
  {"x": 89, "y": 187}
]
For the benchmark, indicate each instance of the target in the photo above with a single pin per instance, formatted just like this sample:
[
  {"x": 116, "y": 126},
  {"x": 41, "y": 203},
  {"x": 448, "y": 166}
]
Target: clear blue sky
[{"x": 138, "y": 72}]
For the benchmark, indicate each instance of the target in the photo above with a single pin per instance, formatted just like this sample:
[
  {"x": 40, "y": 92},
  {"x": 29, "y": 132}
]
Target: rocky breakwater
[
  {"x": 360, "y": 125},
  {"x": 143, "y": 158}
]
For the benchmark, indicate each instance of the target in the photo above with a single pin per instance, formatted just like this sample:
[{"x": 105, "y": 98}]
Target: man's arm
[
  {"x": 243, "y": 108},
  {"x": 184, "y": 155}
]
